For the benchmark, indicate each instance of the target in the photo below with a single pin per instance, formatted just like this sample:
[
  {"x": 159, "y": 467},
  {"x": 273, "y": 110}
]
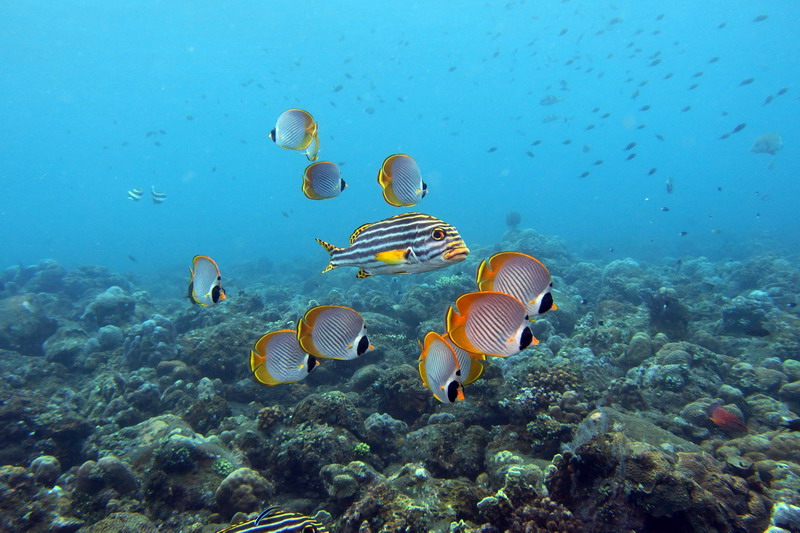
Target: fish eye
[
  {"x": 309, "y": 529},
  {"x": 363, "y": 346},
  {"x": 438, "y": 234}
]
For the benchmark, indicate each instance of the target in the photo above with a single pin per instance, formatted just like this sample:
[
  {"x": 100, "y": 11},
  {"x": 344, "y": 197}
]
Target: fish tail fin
[{"x": 331, "y": 249}]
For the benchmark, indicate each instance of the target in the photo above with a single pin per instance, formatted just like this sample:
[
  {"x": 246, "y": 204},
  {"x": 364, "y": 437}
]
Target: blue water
[{"x": 82, "y": 84}]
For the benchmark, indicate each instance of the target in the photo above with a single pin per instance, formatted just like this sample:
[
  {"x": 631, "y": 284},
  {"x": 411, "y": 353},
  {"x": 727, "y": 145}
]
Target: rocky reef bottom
[{"x": 660, "y": 398}]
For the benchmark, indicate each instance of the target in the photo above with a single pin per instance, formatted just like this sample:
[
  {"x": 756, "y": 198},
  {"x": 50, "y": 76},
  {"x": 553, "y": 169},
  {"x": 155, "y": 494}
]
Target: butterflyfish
[
  {"x": 443, "y": 371},
  {"x": 333, "y": 332},
  {"x": 471, "y": 363},
  {"x": 158, "y": 197},
  {"x": 322, "y": 180},
  {"x": 297, "y": 130},
  {"x": 135, "y": 194},
  {"x": 277, "y": 358},
  {"x": 403, "y": 244},
  {"x": 275, "y": 520},
  {"x": 205, "y": 284},
  {"x": 401, "y": 181},
  {"x": 520, "y": 275},
  {"x": 491, "y": 323}
]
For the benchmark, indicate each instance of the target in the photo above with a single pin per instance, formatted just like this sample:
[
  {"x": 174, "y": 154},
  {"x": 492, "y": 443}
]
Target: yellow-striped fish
[
  {"x": 275, "y": 520},
  {"x": 322, "y": 180},
  {"x": 402, "y": 244},
  {"x": 520, "y": 275},
  {"x": 333, "y": 332},
  {"x": 401, "y": 181},
  {"x": 277, "y": 358},
  {"x": 492, "y": 323},
  {"x": 205, "y": 285},
  {"x": 297, "y": 130}
]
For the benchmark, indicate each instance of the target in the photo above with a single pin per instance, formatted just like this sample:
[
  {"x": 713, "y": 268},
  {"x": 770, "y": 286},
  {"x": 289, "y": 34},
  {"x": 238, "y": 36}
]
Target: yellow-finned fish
[
  {"x": 277, "y": 358},
  {"x": 403, "y": 244},
  {"x": 401, "y": 181},
  {"x": 444, "y": 371},
  {"x": 333, "y": 332},
  {"x": 297, "y": 130},
  {"x": 520, "y": 275},
  {"x": 322, "y": 180},
  {"x": 275, "y": 520},
  {"x": 205, "y": 285},
  {"x": 491, "y": 323}
]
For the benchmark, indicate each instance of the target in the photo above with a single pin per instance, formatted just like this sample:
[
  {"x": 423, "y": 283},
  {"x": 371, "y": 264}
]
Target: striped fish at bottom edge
[
  {"x": 403, "y": 244},
  {"x": 275, "y": 520}
]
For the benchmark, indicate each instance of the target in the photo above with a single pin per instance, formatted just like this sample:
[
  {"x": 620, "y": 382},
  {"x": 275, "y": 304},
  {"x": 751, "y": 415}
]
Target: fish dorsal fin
[
  {"x": 358, "y": 231},
  {"x": 265, "y": 513},
  {"x": 475, "y": 371}
]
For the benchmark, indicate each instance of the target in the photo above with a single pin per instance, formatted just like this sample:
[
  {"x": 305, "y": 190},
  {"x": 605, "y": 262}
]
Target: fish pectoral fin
[
  {"x": 393, "y": 257},
  {"x": 363, "y": 274}
]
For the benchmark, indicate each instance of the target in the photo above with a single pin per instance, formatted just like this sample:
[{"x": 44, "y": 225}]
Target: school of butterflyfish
[{"x": 513, "y": 288}]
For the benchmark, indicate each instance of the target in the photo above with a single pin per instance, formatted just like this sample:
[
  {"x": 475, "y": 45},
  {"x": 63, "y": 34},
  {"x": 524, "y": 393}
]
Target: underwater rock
[
  {"x": 364, "y": 377},
  {"x": 109, "y": 337},
  {"x": 790, "y": 392},
  {"x": 46, "y": 470},
  {"x": 447, "y": 450},
  {"x": 47, "y": 276},
  {"x": 639, "y": 349},
  {"x": 113, "y": 306},
  {"x": 123, "y": 523},
  {"x": 668, "y": 314},
  {"x": 243, "y": 490},
  {"x": 149, "y": 343},
  {"x": 106, "y": 472},
  {"x": 65, "y": 345},
  {"x": 384, "y": 432},
  {"x": 27, "y": 506},
  {"x": 333, "y": 408},
  {"x": 399, "y": 392},
  {"x": 745, "y": 316},
  {"x": 344, "y": 481},
  {"x": 631, "y": 485},
  {"x": 791, "y": 367},
  {"x": 786, "y": 516},
  {"x": 24, "y": 326}
]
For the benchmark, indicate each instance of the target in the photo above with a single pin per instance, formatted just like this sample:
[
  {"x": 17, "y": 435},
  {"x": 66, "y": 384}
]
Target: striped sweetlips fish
[
  {"x": 403, "y": 244},
  {"x": 275, "y": 520}
]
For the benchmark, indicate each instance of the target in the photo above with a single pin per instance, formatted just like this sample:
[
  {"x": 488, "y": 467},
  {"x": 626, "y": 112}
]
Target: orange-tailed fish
[
  {"x": 277, "y": 358},
  {"x": 520, "y": 275},
  {"x": 492, "y": 323},
  {"x": 205, "y": 285},
  {"x": 297, "y": 130},
  {"x": 471, "y": 363},
  {"x": 402, "y": 244},
  {"x": 401, "y": 181},
  {"x": 275, "y": 520},
  {"x": 443, "y": 372},
  {"x": 333, "y": 332},
  {"x": 322, "y": 180}
]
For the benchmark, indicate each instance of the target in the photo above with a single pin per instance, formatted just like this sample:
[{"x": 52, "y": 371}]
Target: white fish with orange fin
[
  {"x": 277, "y": 358},
  {"x": 491, "y": 323},
  {"x": 333, "y": 332},
  {"x": 401, "y": 181},
  {"x": 205, "y": 284},
  {"x": 520, "y": 275},
  {"x": 297, "y": 130},
  {"x": 443, "y": 371}
]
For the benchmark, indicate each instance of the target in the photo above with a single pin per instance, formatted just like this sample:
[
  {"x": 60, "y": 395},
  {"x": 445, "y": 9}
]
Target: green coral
[
  {"x": 223, "y": 467},
  {"x": 362, "y": 448}
]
